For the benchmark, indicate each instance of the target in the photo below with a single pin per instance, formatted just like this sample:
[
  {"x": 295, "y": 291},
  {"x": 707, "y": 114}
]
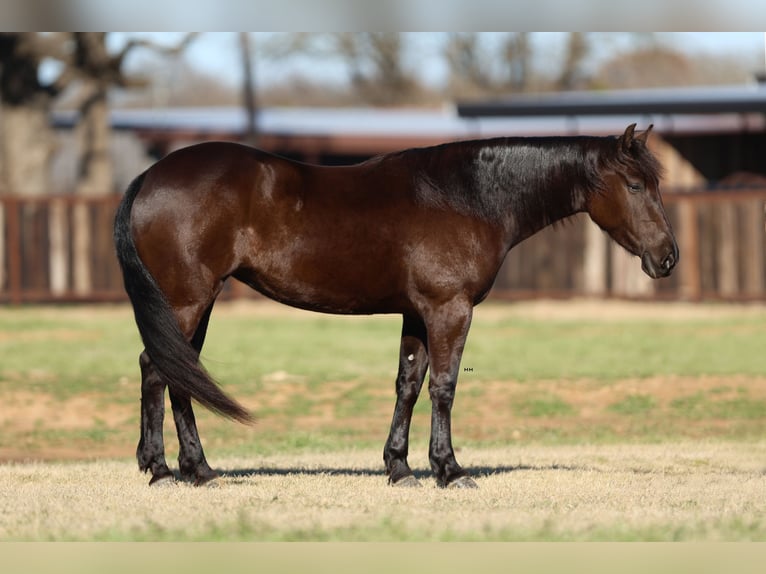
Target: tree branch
[{"x": 155, "y": 47}]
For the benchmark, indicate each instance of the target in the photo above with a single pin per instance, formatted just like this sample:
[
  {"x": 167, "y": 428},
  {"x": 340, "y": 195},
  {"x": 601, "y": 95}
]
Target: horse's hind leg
[
  {"x": 413, "y": 363},
  {"x": 191, "y": 458},
  {"x": 151, "y": 449}
]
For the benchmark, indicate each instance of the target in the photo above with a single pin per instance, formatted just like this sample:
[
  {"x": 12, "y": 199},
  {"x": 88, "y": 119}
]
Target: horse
[{"x": 421, "y": 233}]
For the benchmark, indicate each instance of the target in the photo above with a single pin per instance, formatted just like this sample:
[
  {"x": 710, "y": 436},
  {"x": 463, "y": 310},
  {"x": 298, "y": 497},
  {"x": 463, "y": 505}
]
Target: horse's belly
[{"x": 330, "y": 286}]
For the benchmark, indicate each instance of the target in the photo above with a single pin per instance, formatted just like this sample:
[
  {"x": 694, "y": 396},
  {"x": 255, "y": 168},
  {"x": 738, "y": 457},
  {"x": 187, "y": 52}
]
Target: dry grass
[
  {"x": 683, "y": 491},
  {"x": 670, "y": 449}
]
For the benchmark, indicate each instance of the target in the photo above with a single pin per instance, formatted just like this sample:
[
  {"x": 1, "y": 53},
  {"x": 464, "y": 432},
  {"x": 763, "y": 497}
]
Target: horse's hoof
[
  {"x": 408, "y": 481},
  {"x": 463, "y": 482},
  {"x": 162, "y": 481},
  {"x": 208, "y": 481}
]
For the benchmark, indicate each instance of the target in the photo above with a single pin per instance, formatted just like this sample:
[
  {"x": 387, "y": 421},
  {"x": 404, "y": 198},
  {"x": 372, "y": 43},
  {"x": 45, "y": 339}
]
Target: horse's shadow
[{"x": 475, "y": 471}]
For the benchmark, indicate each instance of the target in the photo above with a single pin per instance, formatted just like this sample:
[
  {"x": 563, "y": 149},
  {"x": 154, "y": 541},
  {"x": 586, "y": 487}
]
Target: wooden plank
[
  {"x": 754, "y": 266},
  {"x": 726, "y": 249},
  {"x": 690, "y": 288},
  {"x": 58, "y": 247}
]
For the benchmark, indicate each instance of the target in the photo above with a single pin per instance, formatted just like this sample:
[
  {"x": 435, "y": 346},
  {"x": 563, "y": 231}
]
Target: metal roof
[
  {"x": 731, "y": 109},
  {"x": 299, "y": 121},
  {"x": 696, "y": 100}
]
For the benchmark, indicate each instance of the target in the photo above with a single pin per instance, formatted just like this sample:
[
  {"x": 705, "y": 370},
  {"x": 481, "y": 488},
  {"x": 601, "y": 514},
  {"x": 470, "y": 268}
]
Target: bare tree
[
  {"x": 655, "y": 65},
  {"x": 576, "y": 52},
  {"x": 471, "y": 64},
  {"x": 517, "y": 53},
  {"x": 374, "y": 60},
  {"x": 248, "y": 88},
  {"x": 376, "y": 66},
  {"x": 26, "y": 139},
  {"x": 467, "y": 63},
  {"x": 25, "y": 103},
  {"x": 95, "y": 70}
]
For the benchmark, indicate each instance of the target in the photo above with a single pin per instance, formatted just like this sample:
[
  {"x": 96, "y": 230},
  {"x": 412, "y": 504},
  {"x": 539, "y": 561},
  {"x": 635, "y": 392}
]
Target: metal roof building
[{"x": 718, "y": 129}]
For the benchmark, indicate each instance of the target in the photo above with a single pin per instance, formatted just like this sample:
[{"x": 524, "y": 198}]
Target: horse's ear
[
  {"x": 627, "y": 138},
  {"x": 643, "y": 136}
]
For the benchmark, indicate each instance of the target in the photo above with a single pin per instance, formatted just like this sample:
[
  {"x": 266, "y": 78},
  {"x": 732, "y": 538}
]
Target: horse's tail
[{"x": 172, "y": 354}]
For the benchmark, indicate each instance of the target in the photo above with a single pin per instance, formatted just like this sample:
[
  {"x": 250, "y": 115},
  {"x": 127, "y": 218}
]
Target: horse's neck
[
  {"x": 523, "y": 185},
  {"x": 542, "y": 189}
]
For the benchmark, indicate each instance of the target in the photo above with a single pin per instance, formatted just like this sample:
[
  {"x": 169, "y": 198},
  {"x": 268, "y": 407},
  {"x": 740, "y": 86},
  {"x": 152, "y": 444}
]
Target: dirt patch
[
  {"x": 25, "y": 411},
  {"x": 41, "y": 426},
  {"x": 653, "y": 408}
]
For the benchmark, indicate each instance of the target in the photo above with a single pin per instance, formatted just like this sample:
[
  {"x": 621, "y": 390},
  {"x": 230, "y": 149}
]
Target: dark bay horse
[{"x": 421, "y": 233}]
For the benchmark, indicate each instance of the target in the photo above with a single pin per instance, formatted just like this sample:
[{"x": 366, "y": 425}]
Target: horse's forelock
[{"x": 637, "y": 158}]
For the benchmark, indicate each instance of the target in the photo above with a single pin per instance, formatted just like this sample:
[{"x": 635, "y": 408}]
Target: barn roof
[
  {"x": 727, "y": 109},
  {"x": 739, "y": 99}
]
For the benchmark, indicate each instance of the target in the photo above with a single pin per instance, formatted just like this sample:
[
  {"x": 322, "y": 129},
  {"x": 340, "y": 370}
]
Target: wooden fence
[{"x": 59, "y": 249}]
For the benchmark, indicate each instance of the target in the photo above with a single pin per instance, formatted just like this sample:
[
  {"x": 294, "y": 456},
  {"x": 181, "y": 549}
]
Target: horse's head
[{"x": 627, "y": 203}]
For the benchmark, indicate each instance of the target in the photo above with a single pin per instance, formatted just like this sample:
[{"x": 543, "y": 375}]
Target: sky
[{"x": 216, "y": 53}]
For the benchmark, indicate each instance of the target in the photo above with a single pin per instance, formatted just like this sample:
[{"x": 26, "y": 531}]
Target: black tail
[{"x": 172, "y": 354}]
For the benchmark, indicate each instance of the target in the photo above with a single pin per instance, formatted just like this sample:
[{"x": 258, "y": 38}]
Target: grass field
[{"x": 582, "y": 421}]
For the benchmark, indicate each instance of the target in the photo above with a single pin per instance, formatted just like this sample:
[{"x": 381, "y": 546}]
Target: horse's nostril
[{"x": 669, "y": 262}]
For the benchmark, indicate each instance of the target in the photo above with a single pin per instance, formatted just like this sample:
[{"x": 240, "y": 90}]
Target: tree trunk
[
  {"x": 248, "y": 89},
  {"x": 25, "y": 152}
]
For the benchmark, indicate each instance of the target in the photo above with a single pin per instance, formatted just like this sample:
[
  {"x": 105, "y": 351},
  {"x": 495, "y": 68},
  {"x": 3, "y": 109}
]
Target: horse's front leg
[
  {"x": 413, "y": 363},
  {"x": 447, "y": 330},
  {"x": 151, "y": 448}
]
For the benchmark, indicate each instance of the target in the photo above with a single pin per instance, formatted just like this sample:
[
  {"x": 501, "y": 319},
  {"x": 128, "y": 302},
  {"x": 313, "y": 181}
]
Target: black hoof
[
  {"x": 162, "y": 481},
  {"x": 209, "y": 480},
  {"x": 463, "y": 482},
  {"x": 408, "y": 481}
]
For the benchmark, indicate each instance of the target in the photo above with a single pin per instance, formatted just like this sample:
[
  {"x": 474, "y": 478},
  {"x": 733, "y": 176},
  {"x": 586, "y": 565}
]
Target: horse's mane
[{"x": 529, "y": 177}]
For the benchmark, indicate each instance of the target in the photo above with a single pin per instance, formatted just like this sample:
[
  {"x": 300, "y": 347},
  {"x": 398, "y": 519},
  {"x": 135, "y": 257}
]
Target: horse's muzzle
[{"x": 659, "y": 267}]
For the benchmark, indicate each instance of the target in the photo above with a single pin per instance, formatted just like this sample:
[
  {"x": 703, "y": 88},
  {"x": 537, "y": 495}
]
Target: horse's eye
[{"x": 635, "y": 187}]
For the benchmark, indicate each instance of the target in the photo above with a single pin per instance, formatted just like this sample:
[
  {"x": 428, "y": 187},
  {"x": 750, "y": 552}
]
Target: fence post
[
  {"x": 690, "y": 287},
  {"x": 14, "y": 249}
]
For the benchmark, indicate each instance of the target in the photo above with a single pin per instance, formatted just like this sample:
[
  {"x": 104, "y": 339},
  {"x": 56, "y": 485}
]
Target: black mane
[{"x": 532, "y": 179}]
